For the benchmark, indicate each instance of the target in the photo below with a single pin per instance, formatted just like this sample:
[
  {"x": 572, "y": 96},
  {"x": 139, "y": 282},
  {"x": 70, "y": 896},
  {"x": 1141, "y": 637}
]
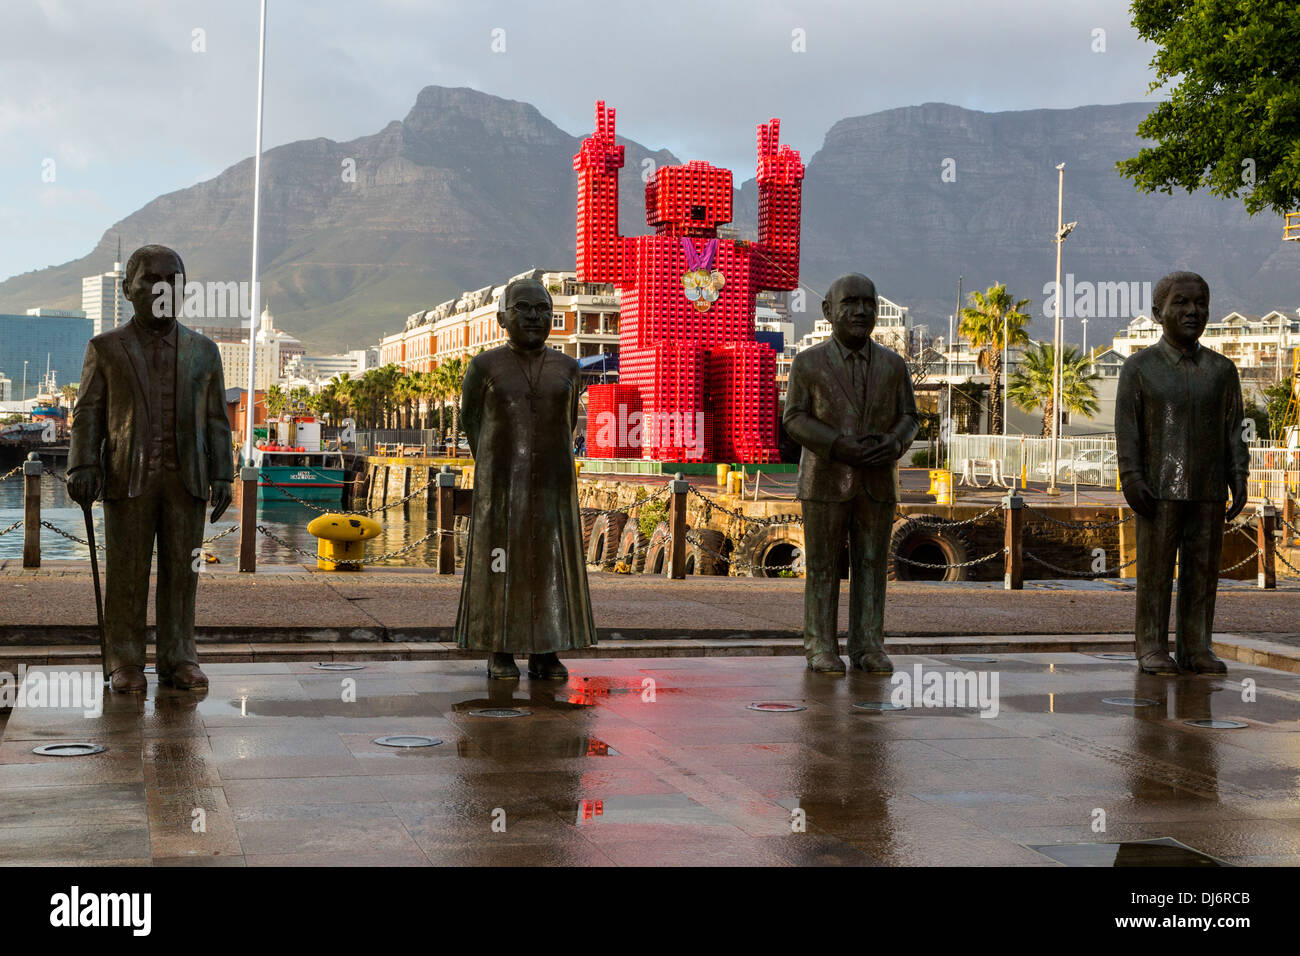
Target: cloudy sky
[{"x": 105, "y": 104}]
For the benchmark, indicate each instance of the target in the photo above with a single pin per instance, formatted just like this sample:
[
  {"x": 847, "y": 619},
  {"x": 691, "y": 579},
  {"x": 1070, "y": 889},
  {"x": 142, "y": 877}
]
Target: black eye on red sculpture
[{"x": 697, "y": 213}]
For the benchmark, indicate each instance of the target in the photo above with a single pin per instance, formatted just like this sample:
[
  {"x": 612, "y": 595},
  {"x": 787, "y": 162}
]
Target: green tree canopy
[
  {"x": 1232, "y": 120},
  {"x": 982, "y": 323},
  {"x": 1030, "y": 386}
]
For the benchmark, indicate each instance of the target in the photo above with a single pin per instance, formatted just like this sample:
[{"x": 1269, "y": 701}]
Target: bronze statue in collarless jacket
[
  {"x": 525, "y": 584},
  {"x": 1181, "y": 449},
  {"x": 151, "y": 437},
  {"x": 850, "y": 405}
]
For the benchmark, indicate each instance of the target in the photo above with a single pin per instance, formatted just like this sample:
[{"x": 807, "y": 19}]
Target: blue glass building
[{"x": 34, "y": 338}]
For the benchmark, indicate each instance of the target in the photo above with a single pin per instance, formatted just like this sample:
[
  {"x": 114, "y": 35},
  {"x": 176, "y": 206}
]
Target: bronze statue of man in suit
[
  {"x": 850, "y": 405},
  {"x": 151, "y": 437},
  {"x": 1178, "y": 430},
  {"x": 525, "y": 585}
]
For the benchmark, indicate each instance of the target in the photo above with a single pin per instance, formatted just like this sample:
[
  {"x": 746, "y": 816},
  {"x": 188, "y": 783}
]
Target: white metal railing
[
  {"x": 1274, "y": 468},
  {"x": 1091, "y": 459}
]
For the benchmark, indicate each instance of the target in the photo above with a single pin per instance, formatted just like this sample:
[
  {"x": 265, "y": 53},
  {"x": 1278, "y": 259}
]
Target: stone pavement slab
[{"x": 637, "y": 761}]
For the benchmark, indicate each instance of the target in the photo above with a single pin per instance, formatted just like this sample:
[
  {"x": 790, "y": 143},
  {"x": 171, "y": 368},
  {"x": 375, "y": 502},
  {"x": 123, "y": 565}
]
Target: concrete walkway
[{"x": 297, "y": 613}]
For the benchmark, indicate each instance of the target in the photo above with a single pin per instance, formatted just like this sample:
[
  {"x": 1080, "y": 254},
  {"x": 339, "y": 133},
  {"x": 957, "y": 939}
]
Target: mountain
[
  {"x": 465, "y": 191},
  {"x": 875, "y": 201},
  {"x": 471, "y": 188}
]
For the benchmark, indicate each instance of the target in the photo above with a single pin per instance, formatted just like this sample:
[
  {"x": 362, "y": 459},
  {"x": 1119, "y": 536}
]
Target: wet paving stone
[{"x": 654, "y": 762}]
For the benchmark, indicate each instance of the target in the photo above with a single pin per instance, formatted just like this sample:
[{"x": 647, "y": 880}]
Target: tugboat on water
[{"x": 292, "y": 464}]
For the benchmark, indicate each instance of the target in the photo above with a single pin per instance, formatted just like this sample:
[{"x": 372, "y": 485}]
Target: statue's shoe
[
  {"x": 546, "y": 667},
  {"x": 1158, "y": 663},
  {"x": 503, "y": 667},
  {"x": 1203, "y": 662},
  {"x": 826, "y": 663},
  {"x": 873, "y": 662},
  {"x": 185, "y": 677},
  {"x": 128, "y": 679}
]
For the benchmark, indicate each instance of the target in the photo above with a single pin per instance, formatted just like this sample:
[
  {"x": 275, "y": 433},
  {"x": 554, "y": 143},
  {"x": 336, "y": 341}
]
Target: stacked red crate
[
  {"x": 742, "y": 393},
  {"x": 613, "y": 421}
]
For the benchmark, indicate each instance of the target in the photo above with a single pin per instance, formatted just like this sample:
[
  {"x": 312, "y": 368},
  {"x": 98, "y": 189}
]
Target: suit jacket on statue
[
  {"x": 1178, "y": 423},
  {"x": 821, "y": 406},
  {"x": 110, "y": 425}
]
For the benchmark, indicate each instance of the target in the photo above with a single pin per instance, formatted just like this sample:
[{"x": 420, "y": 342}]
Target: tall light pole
[
  {"x": 948, "y": 418},
  {"x": 1063, "y": 229},
  {"x": 1085, "y": 338},
  {"x": 1003, "y": 383},
  {"x": 24, "y": 380},
  {"x": 248, "y": 474}
]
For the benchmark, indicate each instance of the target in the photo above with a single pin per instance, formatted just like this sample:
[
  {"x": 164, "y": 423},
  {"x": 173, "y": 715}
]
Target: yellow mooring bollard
[
  {"x": 723, "y": 472},
  {"x": 942, "y": 488},
  {"x": 340, "y": 538}
]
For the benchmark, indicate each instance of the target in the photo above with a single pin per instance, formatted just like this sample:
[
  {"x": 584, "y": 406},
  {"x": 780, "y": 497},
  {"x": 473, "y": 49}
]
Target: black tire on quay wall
[
  {"x": 703, "y": 558},
  {"x": 632, "y": 547},
  {"x": 658, "y": 555},
  {"x": 928, "y": 544},
  {"x": 589, "y": 516},
  {"x": 602, "y": 549},
  {"x": 776, "y": 544}
]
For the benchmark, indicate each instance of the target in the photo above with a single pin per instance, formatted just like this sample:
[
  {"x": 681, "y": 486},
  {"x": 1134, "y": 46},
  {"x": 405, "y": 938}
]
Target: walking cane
[{"x": 99, "y": 598}]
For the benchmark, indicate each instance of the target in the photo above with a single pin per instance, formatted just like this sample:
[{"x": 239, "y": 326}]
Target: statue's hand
[
  {"x": 84, "y": 486},
  {"x": 1239, "y": 498},
  {"x": 220, "y": 499},
  {"x": 1140, "y": 498},
  {"x": 847, "y": 451},
  {"x": 883, "y": 452}
]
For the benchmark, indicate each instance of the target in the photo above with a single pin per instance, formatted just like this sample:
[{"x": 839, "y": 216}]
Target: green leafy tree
[
  {"x": 1277, "y": 401},
  {"x": 981, "y": 324},
  {"x": 1030, "y": 385},
  {"x": 1232, "y": 120}
]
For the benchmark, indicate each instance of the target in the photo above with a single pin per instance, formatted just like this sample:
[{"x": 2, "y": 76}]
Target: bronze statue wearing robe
[{"x": 525, "y": 584}]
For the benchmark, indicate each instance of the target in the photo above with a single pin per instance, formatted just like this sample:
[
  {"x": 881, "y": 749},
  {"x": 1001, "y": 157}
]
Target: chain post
[
  {"x": 1013, "y": 578},
  {"x": 1266, "y": 514},
  {"x": 32, "y": 471},
  {"x": 1288, "y": 519},
  {"x": 677, "y": 489},
  {"x": 446, "y": 507},
  {"x": 248, "y": 517}
]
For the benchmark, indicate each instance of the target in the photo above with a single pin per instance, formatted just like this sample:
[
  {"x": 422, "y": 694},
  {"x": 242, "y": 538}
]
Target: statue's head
[
  {"x": 525, "y": 313},
  {"x": 850, "y": 307},
  {"x": 154, "y": 282},
  {"x": 1181, "y": 303}
]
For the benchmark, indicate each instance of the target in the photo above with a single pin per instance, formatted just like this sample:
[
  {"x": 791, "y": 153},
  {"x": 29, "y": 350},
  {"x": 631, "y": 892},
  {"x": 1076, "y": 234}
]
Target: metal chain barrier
[
  {"x": 740, "y": 565},
  {"x": 284, "y": 489},
  {"x": 1249, "y": 557},
  {"x": 1080, "y": 574},
  {"x": 627, "y": 509},
  {"x": 1277, "y": 553},
  {"x": 51, "y": 473},
  {"x": 13, "y": 527},
  {"x": 1080, "y": 525},
  {"x": 711, "y": 505},
  {"x": 373, "y": 559},
  {"x": 12, "y": 471},
  {"x": 940, "y": 567},
  {"x": 72, "y": 537},
  {"x": 942, "y": 523}
]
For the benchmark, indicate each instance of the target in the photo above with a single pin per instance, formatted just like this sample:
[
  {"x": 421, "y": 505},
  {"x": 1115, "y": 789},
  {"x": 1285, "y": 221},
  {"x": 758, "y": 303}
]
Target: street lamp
[
  {"x": 1063, "y": 229},
  {"x": 24, "y": 380}
]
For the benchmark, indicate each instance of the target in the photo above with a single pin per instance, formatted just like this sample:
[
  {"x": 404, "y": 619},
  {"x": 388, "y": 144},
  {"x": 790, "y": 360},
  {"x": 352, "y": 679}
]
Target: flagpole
[
  {"x": 257, "y": 211},
  {"x": 248, "y": 473}
]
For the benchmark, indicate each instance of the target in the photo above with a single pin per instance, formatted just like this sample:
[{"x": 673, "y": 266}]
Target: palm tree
[
  {"x": 275, "y": 401},
  {"x": 454, "y": 381},
  {"x": 69, "y": 393},
  {"x": 1030, "y": 386},
  {"x": 982, "y": 323}
]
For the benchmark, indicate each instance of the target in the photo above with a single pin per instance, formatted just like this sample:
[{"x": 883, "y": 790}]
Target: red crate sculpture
[{"x": 704, "y": 389}]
